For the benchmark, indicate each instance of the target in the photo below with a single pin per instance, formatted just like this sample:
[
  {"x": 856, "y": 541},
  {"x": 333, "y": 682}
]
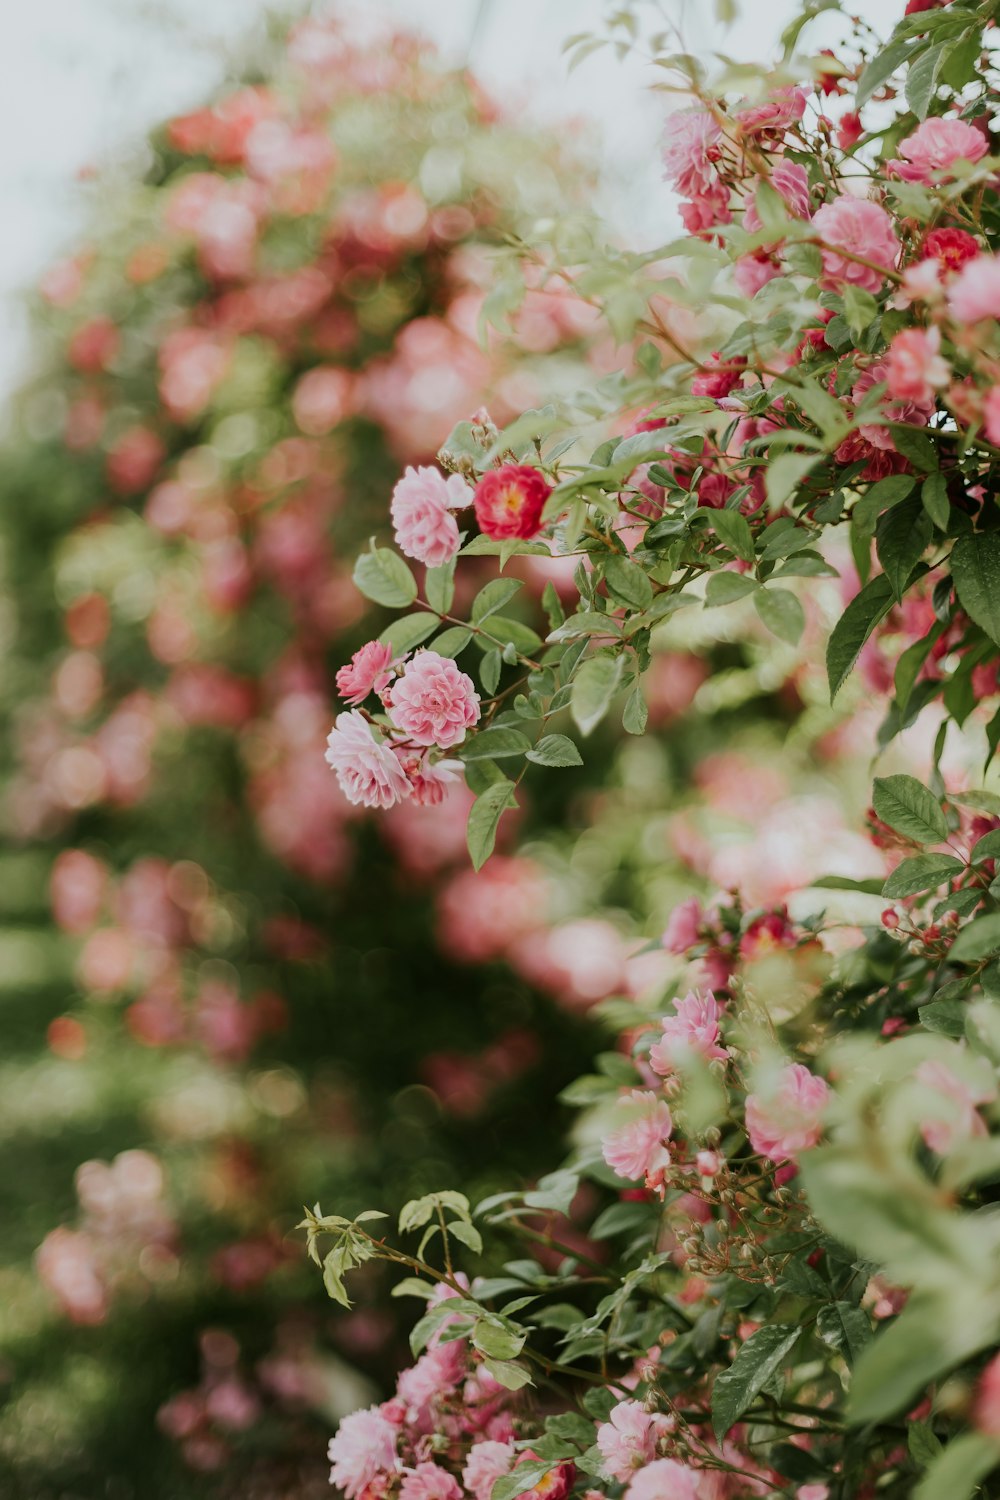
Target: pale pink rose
[
  {"x": 421, "y": 509},
  {"x": 688, "y": 137},
  {"x": 628, "y": 1438},
  {"x": 432, "y": 783},
  {"x": 709, "y": 1163},
  {"x": 664, "y": 1480},
  {"x": 914, "y": 368},
  {"x": 364, "y": 1448},
  {"x": 487, "y": 1462},
  {"x": 369, "y": 772},
  {"x": 788, "y": 1119},
  {"x": 638, "y": 1148},
  {"x": 367, "y": 672},
  {"x": 435, "y": 1374},
  {"x": 681, "y": 931},
  {"x": 861, "y": 228},
  {"x": 692, "y": 1032},
  {"x": 975, "y": 292},
  {"x": 434, "y": 702},
  {"x": 914, "y": 413},
  {"x": 935, "y": 146},
  {"x": 751, "y": 272},
  {"x": 428, "y": 1482},
  {"x": 954, "y": 1117},
  {"x": 991, "y": 415},
  {"x": 920, "y": 283},
  {"x": 785, "y": 107},
  {"x": 791, "y": 183}
]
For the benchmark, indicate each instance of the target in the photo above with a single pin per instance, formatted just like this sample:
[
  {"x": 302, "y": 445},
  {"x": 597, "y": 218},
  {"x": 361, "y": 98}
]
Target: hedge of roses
[{"x": 769, "y": 1266}]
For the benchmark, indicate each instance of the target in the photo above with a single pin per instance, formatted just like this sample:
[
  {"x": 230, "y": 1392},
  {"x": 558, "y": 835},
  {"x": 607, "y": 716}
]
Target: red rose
[
  {"x": 509, "y": 501},
  {"x": 952, "y": 247}
]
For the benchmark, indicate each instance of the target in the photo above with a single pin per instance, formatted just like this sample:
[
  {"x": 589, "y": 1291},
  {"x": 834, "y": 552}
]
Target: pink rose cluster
[
  {"x": 430, "y": 704},
  {"x": 788, "y": 1118},
  {"x": 508, "y": 502}
]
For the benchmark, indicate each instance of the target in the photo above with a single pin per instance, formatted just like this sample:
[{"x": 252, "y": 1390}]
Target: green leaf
[
  {"x": 484, "y": 819},
  {"x": 881, "y": 67},
  {"x": 923, "y": 1443},
  {"x": 846, "y": 1328},
  {"x": 496, "y": 1341},
  {"x": 491, "y": 599},
  {"x": 757, "y": 1360},
  {"x": 978, "y": 940},
  {"x": 494, "y": 744},
  {"x": 860, "y": 309},
  {"x": 408, "y": 631},
  {"x": 988, "y": 847},
  {"x": 439, "y": 586},
  {"x": 785, "y": 473},
  {"x": 594, "y": 685},
  {"x": 975, "y": 567},
  {"x": 332, "y": 1279},
  {"x": 453, "y": 641},
  {"x": 382, "y": 576},
  {"x": 555, "y": 750},
  {"x": 782, "y": 613},
  {"x": 726, "y": 587},
  {"x": 906, "y": 805},
  {"x": 956, "y": 1472},
  {"x": 924, "y": 872},
  {"x": 489, "y": 671},
  {"x": 945, "y": 1017},
  {"x": 524, "y": 1477},
  {"x": 627, "y": 582},
  {"x": 499, "y": 628},
  {"x": 922, "y": 80},
  {"x": 470, "y": 1236},
  {"x": 854, "y": 627},
  {"x": 934, "y": 497},
  {"x": 512, "y": 1377},
  {"x": 555, "y": 1191},
  {"x": 636, "y": 715},
  {"x": 901, "y": 536},
  {"x": 734, "y": 530},
  {"x": 914, "y": 445}
]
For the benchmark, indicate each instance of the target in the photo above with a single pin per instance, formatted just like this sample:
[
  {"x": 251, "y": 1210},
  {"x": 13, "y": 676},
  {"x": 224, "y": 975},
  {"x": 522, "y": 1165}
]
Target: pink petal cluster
[
  {"x": 690, "y": 149},
  {"x": 681, "y": 932},
  {"x": 366, "y": 672},
  {"x": 421, "y": 509},
  {"x": 434, "y": 702},
  {"x": 692, "y": 1031},
  {"x": 628, "y": 1438},
  {"x": 638, "y": 1148},
  {"x": 788, "y": 1119},
  {"x": 431, "y": 784},
  {"x": 664, "y": 1480},
  {"x": 914, "y": 367},
  {"x": 428, "y": 1482},
  {"x": 991, "y": 415},
  {"x": 986, "y": 1411},
  {"x": 364, "y": 1447},
  {"x": 791, "y": 182},
  {"x": 861, "y": 228},
  {"x": 368, "y": 770},
  {"x": 953, "y": 1115},
  {"x": 785, "y": 107},
  {"x": 975, "y": 292},
  {"x": 487, "y": 1462},
  {"x": 935, "y": 146},
  {"x": 915, "y": 413},
  {"x": 718, "y": 376}
]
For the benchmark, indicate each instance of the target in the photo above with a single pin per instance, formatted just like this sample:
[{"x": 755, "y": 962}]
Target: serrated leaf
[
  {"x": 494, "y": 744},
  {"x": 453, "y": 641},
  {"x": 978, "y": 940},
  {"x": 781, "y": 612},
  {"x": 934, "y": 498},
  {"x": 881, "y": 67},
  {"x": 489, "y": 671},
  {"x": 907, "y": 806},
  {"x": 922, "y": 79},
  {"x": 512, "y": 1377},
  {"x": 785, "y": 473},
  {"x": 988, "y": 847},
  {"x": 555, "y": 750},
  {"x": 382, "y": 576},
  {"x": 594, "y": 685},
  {"x": 439, "y": 586},
  {"x": 901, "y": 536},
  {"x": 484, "y": 820},
  {"x": 756, "y": 1362},
  {"x": 733, "y": 530},
  {"x": 627, "y": 582},
  {"x": 726, "y": 587},
  {"x": 408, "y": 631},
  {"x": 491, "y": 599},
  {"x": 636, "y": 714},
  {"x": 854, "y": 627},
  {"x": 846, "y": 1328},
  {"x": 975, "y": 567},
  {"x": 924, "y": 872},
  {"x": 956, "y": 1472},
  {"x": 470, "y": 1237}
]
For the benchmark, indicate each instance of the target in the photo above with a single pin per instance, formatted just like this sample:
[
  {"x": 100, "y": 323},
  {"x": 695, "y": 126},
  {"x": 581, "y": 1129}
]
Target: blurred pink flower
[
  {"x": 788, "y": 1118},
  {"x": 363, "y": 1448},
  {"x": 637, "y": 1148},
  {"x": 692, "y": 1032},
  {"x": 935, "y": 146}
]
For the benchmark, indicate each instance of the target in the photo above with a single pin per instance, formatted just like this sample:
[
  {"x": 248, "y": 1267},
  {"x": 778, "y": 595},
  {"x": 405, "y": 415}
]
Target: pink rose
[
  {"x": 664, "y": 1480},
  {"x": 975, "y": 292},
  {"x": 693, "y": 1031},
  {"x": 861, "y": 228},
  {"x": 637, "y": 1148},
  {"x": 364, "y": 1448},
  {"x": 952, "y": 1106},
  {"x": 487, "y": 1462},
  {"x": 628, "y": 1438},
  {"x": 788, "y": 1119},
  {"x": 914, "y": 368},
  {"x": 421, "y": 509},
  {"x": 681, "y": 932},
  {"x": 510, "y": 500},
  {"x": 751, "y": 272},
  {"x": 914, "y": 413},
  {"x": 434, "y": 703},
  {"x": 934, "y": 147},
  {"x": 791, "y": 183},
  {"x": 690, "y": 138},
  {"x": 428, "y": 1482},
  {"x": 368, "y": 770},
  {"x": 772, "y": 118},
  {"x": 367, "y": 672}
]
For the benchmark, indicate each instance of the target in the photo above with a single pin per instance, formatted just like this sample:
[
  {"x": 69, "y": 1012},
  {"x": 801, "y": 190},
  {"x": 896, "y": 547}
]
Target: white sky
[{"x": 81, "y": 80}]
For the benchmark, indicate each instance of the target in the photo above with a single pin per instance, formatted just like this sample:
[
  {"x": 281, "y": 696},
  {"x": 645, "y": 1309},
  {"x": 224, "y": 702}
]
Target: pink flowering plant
[{"x": 768, "y": 1265}]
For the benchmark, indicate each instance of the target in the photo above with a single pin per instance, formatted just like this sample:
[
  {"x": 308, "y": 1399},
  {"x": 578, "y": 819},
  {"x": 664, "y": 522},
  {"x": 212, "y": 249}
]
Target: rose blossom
[
  {"x": 689, "y": 135},
  {"x": 861, "y": 228},
  {"x": 913, "y": 412},
  {"x": 428, "y": 1482},
  {"x": 431, "y": 783},
  {"x": 975, "y": 292},
  {"x": 773, "y": 117},
  {"x": 849, "y": 130},
  {"x": 953, "y": 1114},
  {"x": 627, "y": 1440},
  {"x": 368, "y": 770},
  {"x": 637, "y": 1149},
  {"x": 694, "y": 1030},
  {"x": 487, "y": 1462},
  {"x": 664, "y": 1480},
  {"x": 951, "y": 248},
  {"x": 364, "y": 1447},
  {"x": 751, "y": 272},
  {"x": 681, "y": 932},
  {"x": 509, "y": 501},
  {"x": 914, "y": 368},
  {"x": 367, "y": 672},
  {"x": 421, "y": 509},
  {"x": 434, "y": 703},
  {"x": 791, "y": 183},
  {"x": 936, "y": 145},
  {"x": 718, "y": 376},
  {"x": 788, "y": 1119}
]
